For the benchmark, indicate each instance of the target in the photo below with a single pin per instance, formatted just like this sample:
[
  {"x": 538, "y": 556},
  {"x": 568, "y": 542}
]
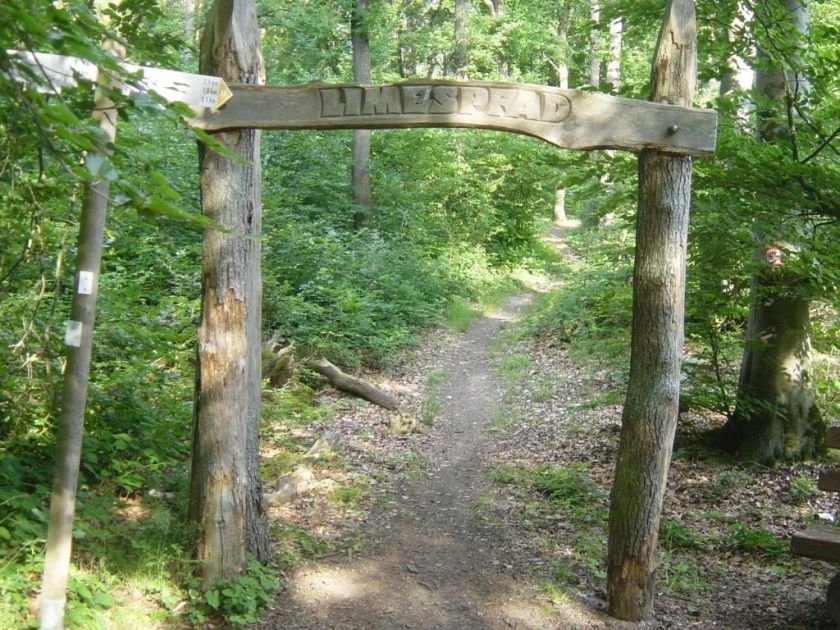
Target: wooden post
[
  {"x": 650, "y": 409},
  {"x": 226, "y": 504},
  {"x": 79, "y": 340}
]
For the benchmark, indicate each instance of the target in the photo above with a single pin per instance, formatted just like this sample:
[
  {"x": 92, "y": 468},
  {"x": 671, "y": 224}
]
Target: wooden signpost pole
[
  {"x": 650, "y": 410},
  {"x": 57, "y": 72},
  {"x": 78, "y": 337}
]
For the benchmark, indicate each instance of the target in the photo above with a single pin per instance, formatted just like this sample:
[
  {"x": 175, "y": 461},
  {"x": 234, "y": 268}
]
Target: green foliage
[
  {"x": 753, "y": 540},
  {"x": 802, "y": 488},
  {"x": 593, "y": 311},
  {"x": 673, "y": 534},
  {"x": 238, "y": 600}
]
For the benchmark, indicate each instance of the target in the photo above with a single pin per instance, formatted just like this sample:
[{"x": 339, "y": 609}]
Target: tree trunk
[
  {"x": 775, "y": 415},
  {"x": 562, "y": 68},
  {"x": 560, "y": 205},
  {"x": 738, "y": 75},
  {"x": 225, "y": 494},
  {"x": 594, "y": 43},
  {"x": 189, "y": 21},
  {"x": 360, "y": 176},
  {"x": 650, "y": 409},
  {"x": 460, "y": 49},
  {"x": 614, "y": 62}
]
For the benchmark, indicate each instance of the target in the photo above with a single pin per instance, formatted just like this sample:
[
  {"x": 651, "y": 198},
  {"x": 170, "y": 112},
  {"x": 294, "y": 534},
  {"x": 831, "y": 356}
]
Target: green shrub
[{"x": 237, "y": 600}]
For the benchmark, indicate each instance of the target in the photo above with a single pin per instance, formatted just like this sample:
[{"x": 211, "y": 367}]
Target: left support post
[{"x": 79, "y": 341}]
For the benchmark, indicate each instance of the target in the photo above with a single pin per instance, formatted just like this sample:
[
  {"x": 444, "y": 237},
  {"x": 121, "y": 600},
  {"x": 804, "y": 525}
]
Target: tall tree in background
[
  {"x": 360, "y": 177},
  {"x": 613, "y": 75},
  {"x": 594, "y": 43},
  {"x": 649, "y": 419},
  {"x": 460, "y": 48},
  {"x": 562, "y": 68},
  {"x": 225, "y": 494},
  {"x": 776, "y": 415}
]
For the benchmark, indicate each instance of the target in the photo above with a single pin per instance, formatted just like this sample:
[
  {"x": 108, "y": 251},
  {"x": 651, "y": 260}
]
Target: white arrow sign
[{"x": 59, "y": 71}]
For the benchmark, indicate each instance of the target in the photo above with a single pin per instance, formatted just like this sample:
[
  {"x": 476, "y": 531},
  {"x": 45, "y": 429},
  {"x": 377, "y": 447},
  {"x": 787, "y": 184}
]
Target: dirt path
[
  {"x": 445, "y": 546},
  {"x": 430, "y": 560}
]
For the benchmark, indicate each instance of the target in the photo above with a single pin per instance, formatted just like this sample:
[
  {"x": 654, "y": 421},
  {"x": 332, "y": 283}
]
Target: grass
[
  {"x": 504, "y": 418},
  {"x": 681, "y": 575},
  {"x": 432, "y": 403},
  {"x": 459, "y": 313}
]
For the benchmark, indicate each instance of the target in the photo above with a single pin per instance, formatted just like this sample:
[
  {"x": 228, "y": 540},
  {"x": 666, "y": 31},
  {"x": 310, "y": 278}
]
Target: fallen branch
[{"x": 351, "y": 384}]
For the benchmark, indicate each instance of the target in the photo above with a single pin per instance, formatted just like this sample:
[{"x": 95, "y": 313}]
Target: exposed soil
[
  {"x": 440, "y": 544},
  {"x": 431, "y": 560}
]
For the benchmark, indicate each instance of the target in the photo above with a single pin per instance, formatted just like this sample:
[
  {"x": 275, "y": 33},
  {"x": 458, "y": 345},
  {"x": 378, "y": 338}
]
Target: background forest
[{"x": 455, "y": 222}]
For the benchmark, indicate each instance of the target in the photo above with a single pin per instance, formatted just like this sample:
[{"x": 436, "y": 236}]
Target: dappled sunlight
[
  {"x": 512, "y": 310},
  {"x": 521, "y": 612},
  {"x": 423, "y": 577},
  {"x": 332, "y": 584}
]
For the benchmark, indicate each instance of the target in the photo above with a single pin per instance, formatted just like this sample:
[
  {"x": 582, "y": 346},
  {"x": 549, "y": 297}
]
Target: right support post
[{"x": 650, "y": 412}]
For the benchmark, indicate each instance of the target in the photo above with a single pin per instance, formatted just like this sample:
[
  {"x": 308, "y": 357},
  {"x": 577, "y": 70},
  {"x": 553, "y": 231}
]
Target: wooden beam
[
  {"x": 829, "y": 480},
  {"x": 565, "y": 118},
  {"x": 821, "y": 542},
  {"x": 832, "y": 437}
]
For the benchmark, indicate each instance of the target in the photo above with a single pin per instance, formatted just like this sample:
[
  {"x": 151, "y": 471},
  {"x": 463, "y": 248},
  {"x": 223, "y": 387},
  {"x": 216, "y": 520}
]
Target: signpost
[
  {"x": 569, "y": 119},
  {"x": 51, "y": 73},
  {"x": 55, "y": 72}
]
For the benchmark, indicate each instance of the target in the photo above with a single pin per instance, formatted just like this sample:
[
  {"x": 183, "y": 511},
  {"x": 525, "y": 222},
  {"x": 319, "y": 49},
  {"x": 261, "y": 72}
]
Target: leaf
[
  {"x": 218, "y": 147},
  {"x": 212, "y": 598}
]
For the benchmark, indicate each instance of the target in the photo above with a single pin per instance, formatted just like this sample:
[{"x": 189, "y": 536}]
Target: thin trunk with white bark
[
  {"x": 614, "y": 62},
  {"x": 594, "y": 43}
]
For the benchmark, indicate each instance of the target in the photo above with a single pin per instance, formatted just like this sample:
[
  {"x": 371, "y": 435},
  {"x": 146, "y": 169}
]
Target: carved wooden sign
[{"x": 566, "y": 118}]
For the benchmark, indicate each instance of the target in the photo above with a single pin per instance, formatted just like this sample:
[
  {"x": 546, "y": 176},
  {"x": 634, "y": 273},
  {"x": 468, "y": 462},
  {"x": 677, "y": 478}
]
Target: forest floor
[{"x": 495, "y": 515}]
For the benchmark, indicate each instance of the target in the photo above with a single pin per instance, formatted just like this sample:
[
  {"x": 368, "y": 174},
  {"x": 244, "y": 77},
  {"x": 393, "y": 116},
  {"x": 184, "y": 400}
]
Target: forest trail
[{"x": 429, "y": 559}]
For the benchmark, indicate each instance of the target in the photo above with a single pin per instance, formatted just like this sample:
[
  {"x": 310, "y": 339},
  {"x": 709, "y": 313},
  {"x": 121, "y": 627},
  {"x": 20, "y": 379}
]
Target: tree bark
[
  {"x": 594, "y": 43},
  {"x": 460, "y": 49},
  {"x": 360, "y": 175},
  {"x": 650, "y": 410},
  {"x": 562, "y": 68},
  {"x": 614, "y": 62},
  {"x": 225, "y": 494},
  {"x": 776, "y": 416},
  {"x": 738, "y": 75}
]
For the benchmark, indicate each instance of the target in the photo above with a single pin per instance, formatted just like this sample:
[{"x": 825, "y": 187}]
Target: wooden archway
[{"x": 666, "y": 132}]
